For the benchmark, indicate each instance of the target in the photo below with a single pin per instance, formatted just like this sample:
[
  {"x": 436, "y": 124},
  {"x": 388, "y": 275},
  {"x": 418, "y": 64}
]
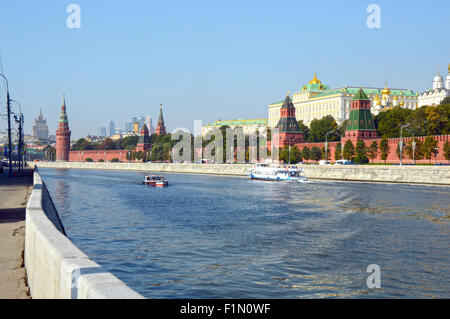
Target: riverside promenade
[{"x": 14, "y": 194}]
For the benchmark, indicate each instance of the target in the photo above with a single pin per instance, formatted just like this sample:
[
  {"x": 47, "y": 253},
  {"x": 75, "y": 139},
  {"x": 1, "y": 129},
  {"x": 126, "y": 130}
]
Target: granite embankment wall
[
  {"x": 56, "y": 268},
  {"x": 367, "y": 173}
]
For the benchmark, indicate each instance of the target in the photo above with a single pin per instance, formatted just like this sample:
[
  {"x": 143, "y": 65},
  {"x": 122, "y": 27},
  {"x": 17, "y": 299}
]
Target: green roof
[
  {"x": 361, "y": 96},
  {"x": 360, "y": 120},
  {"x": 239, "y": 122}
]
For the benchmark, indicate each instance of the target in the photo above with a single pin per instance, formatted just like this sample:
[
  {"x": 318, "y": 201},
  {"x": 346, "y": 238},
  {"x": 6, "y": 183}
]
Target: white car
[{"x": 323, "y": 162}]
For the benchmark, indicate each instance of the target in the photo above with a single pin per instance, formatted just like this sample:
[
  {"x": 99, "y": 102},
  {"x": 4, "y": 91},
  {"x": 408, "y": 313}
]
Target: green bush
[
  {"x": 115, "y": 160},
  {"x": 89, "y": 160},
  {"x": 101, "y": 161}
]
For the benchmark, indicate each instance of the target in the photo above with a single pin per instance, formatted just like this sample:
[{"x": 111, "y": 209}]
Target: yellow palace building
[{"x": 316, "y": 100}]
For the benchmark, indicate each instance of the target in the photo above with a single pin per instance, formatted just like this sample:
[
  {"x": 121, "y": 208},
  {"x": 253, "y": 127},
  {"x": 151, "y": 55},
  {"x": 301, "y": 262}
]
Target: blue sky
[{"x": 207, "y": 60}]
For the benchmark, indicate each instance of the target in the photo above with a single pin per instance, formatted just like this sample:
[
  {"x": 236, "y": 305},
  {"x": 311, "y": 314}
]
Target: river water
[{"x": 228, "y": 237}]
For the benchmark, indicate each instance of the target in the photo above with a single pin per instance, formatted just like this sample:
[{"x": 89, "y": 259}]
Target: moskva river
[{"x": 229, "y": 237}]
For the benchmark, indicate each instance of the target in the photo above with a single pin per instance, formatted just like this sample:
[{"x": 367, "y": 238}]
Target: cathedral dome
[
  {"x": 386, "y": 91},
  {"x": 315, "y": 80},
  {"x": 438, "y": 82}
]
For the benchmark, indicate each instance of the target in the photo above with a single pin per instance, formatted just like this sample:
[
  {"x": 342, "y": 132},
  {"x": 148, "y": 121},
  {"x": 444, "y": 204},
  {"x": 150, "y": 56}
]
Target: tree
[
  {"x": 295, "y": 155},
  {"x": 316, "y": 154},
  {"x": 319, "y": 128},
  {"x": 304, "y": 129},
  {"x": 306, "y": 153},
  {"x": 390, "y": 121},
  {"x": 338, "y": 151},
  {"x": 343, "y": 128},
  {"x": 446, "y": 100},
  {"x": 429, "y": 147},
  {"x": 372, "y": 152},
  {"x": 361, "y": 150},
  {"x": 447, "y": 151},
  {"x": 384, "y": 149},
  {"x": 327, "y": 153},
  {"x": 349, "y": 150},
  {"x": 418, "y": 151}
]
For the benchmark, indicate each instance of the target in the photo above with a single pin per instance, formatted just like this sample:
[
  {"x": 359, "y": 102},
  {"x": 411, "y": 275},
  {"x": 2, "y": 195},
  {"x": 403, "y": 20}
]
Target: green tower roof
[{"x": 361, "y": 96}]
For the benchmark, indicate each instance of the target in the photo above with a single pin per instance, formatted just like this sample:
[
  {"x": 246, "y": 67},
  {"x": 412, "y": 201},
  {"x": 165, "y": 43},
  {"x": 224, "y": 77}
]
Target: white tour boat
[
  {"x": 266, "y": 172},
  {"x": 154, "y": 180}
]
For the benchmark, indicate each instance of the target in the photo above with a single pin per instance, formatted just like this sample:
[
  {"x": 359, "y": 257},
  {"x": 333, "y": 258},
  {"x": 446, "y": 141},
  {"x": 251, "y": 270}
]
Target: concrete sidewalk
[{"x": 14, "y": 193}]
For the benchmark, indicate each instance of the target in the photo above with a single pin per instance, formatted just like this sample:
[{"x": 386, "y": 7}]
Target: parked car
[
  {"x": 3, "y": 163},
  {"x": 323, "y": 162},
  {"x": 1, "y": 169},
  {"x": 344, "y": 162}
]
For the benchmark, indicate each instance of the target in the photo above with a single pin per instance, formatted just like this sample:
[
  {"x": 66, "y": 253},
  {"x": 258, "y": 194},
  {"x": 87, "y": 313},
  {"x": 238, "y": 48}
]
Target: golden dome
[
  {"x": 395, "y": 98},
  {"x": 377, "y": 98},
  {"x": 315, "y": 80},
  {"x": 386, "y": 91}
]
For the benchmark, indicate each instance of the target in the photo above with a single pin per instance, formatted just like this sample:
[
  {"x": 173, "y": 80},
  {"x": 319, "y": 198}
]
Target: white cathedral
[{"x": 439, "y": 92}]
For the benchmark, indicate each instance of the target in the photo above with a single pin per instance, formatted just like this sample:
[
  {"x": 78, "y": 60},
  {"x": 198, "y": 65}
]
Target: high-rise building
[
  {"x": 160, "y": 128},
  {"x": 102, "y": 131},
  {"x": 112, "y": 128},
  {"x": 149, "y": 124},
  {"x": 63, "y": 135},
  {"x": 40, "y": 128}
]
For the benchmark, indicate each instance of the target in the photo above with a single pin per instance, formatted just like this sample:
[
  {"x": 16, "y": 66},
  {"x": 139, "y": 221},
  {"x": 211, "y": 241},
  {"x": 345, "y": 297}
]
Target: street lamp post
[
  {"x": 401, "y": 144},
  {"x": 414, "y": 149},
  {"x": 8, "y": 107}
]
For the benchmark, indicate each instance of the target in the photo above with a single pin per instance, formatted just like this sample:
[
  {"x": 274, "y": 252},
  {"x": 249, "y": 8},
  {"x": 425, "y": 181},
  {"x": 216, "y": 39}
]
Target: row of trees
[{"x": 362, "y": 154}]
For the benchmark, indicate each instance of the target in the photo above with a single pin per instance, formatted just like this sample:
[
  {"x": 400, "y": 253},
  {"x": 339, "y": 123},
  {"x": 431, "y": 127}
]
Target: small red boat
[{"x": 155, "y": 180}]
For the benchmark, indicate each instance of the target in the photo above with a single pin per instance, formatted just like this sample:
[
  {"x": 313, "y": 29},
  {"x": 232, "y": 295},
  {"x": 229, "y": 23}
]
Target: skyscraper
[
  {"x": 40, "y": 128},
  {"x": 102, "y": 131},
  {"x": 112, "y": 128}
]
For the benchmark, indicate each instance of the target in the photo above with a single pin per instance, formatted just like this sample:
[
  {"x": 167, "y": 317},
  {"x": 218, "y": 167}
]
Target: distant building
[
  {"x": 149, "y": 124},
  {"x": 136, "y": 128},
  {"x": 102, "y": 131},
  {"x": 160, "y": 128},
  {"x": 316, "y": 100},
  {"x": 439, "y": 92},
  {"x": 40, "y": 128},
  {"x": 248, "y": 126},
  {"x": 112, "y": 128}
]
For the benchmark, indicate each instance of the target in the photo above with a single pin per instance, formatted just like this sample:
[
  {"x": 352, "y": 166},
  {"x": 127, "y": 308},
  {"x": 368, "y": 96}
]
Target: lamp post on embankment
[
  {"x": 8, "y": 108},
  {"x": 401, "y": 143}
]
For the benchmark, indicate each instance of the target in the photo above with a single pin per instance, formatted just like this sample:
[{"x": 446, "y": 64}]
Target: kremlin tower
[
  {"x": 144, "y": 142},
  {"x": 360, "y": 124},
  {"x": 63, "y": 135},
  {"x": 288, "y": 129},
  {"x": 160, "y": 128}
]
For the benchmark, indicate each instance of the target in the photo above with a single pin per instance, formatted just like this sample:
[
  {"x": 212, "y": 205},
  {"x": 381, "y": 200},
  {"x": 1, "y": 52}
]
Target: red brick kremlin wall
[
  {"x": 96, "y": 155},
  {"x": 393, "y": 144}
]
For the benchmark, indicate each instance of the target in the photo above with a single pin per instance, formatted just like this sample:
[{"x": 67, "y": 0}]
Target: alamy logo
[
  {"x": 74, "y": 19},
  {"x": 374, "y": 19},
  {"x": 374, "y": 279}
]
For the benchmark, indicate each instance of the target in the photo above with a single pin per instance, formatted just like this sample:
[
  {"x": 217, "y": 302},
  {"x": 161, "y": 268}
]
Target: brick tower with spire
[
  {"x": 144, "y": 142},
  {"x": 63, "y": 135},
  {"x": 289, "y": 132},
  {"x": 360, "y": 124},
  {"x": 160, "y": 128}
]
